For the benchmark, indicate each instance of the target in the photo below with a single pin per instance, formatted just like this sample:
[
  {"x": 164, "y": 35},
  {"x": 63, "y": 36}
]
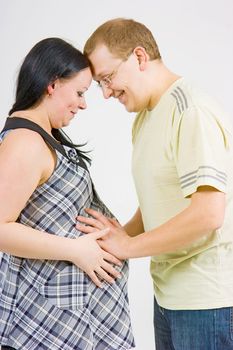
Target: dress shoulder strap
[{"x": 19, "y": 123}]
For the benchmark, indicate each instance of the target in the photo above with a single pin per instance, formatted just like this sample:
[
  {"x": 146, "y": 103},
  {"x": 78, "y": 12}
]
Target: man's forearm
[
  {"x": 201, "y": 218},
  {"x": 135, "y": 225}
]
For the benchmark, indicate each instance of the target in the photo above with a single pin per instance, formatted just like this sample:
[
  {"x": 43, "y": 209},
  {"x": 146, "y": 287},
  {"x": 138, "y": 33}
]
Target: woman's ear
[
  {"x": 142, "y": 56},
  {"x": 50, "y": 89}
]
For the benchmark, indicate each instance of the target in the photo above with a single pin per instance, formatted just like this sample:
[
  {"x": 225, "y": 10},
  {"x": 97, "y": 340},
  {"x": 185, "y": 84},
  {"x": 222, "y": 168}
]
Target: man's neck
[{"x": 161, "y": 79}]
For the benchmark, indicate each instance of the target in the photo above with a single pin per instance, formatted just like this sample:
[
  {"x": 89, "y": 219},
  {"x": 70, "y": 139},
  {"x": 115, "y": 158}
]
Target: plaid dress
[{"x": 53, "y": 304}]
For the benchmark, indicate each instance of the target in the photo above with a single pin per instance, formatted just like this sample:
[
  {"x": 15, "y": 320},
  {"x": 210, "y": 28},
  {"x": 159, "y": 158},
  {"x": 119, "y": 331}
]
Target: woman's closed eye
[{"x": 80, "y": 93}]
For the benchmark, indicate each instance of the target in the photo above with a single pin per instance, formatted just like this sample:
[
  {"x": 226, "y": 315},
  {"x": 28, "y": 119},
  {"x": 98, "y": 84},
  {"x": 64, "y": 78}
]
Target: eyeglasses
[{"x": 106, "y": 81}]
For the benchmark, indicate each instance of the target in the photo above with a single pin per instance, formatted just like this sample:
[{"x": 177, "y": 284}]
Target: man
[{"x": 182, "y": 167}]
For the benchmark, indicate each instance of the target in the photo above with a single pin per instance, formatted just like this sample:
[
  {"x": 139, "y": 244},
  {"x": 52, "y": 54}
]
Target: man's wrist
[{"x": 130, "y": 247}]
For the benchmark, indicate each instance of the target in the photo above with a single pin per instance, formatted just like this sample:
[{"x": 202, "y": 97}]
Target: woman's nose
[{"x": 82, "y": 104}]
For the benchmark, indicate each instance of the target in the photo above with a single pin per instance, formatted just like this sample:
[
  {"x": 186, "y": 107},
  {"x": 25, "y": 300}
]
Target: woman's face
[{"x": 66, "y": 97}]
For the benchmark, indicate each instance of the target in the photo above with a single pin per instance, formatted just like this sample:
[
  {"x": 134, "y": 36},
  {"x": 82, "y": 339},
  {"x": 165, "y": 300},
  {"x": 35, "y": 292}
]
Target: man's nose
[{"x": 107, "y": 91}]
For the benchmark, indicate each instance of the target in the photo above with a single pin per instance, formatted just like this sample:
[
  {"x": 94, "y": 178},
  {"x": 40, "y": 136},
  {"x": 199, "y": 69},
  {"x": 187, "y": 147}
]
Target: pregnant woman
[{"x": 58, "y": 288}]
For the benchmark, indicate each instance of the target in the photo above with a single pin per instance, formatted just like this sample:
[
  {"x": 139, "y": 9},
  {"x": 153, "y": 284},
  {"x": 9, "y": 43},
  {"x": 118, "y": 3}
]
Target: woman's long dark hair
[{"x": 48, "y": 60}]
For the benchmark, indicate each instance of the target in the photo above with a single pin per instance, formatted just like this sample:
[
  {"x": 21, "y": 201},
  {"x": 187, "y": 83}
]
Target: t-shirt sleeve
[{"x": 200, "y": 151}]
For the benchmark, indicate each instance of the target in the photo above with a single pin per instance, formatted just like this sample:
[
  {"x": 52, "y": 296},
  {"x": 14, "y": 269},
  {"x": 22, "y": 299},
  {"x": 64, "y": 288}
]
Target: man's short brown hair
[{"x": 121, "y": 36}]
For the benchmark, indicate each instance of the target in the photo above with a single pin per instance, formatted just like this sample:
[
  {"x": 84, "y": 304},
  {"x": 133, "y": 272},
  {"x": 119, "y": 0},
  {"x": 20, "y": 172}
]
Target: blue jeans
[{"x": 193, "y": 329}]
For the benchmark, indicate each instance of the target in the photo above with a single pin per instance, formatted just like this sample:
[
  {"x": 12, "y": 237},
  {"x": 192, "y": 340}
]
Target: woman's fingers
[
  {"x": 96, "y": 262},
  {"x": 111, "y": 270},
  {"x": 95, "y": 279},
  {"x": 111, "y": 258},
  {"x": 104, "y": 272},
  {"x": 107, "y": 272},
  {"x": 104, "y": 275}
]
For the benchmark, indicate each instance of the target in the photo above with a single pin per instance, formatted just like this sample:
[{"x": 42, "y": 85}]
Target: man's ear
[{"x": 142, "y": 56}]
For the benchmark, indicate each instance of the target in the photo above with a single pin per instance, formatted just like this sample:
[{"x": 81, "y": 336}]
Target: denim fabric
[{"x": 193, "y": 329}]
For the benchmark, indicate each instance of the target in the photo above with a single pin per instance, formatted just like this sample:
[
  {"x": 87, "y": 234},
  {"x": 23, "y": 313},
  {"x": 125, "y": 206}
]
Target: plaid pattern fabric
[{"x": 53, "y": 304}]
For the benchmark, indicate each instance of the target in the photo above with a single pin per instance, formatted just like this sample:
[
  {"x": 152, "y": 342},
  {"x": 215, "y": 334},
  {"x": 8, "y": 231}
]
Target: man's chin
[{"x": 131, "y": 109}]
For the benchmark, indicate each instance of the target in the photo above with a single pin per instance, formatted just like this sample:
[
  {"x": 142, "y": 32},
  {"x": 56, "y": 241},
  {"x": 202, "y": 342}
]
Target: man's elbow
[{"x": 214, "y": 221}]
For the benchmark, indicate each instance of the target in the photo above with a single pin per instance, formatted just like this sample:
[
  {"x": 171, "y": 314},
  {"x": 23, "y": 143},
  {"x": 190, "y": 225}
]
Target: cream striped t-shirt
[{"x": 183, "y": 143}]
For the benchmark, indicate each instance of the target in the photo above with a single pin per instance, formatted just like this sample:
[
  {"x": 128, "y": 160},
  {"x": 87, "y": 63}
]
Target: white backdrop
[{"x": 195, "y": 40}]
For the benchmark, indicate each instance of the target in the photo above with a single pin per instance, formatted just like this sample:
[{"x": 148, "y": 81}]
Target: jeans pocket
[{"x": 231, "y": 323}]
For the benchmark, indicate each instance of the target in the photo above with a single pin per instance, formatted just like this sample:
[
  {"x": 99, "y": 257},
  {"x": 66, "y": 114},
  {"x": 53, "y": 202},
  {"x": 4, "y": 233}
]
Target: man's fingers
[
  {"x": 85, "y": 229},
  {"x": 98, "y": 216},
  {"x": 100, "y": 234},
  {"x": 102, "y": 245},
  {"x": 90, "y": 222},
  {"x": 115, "y": 222}
]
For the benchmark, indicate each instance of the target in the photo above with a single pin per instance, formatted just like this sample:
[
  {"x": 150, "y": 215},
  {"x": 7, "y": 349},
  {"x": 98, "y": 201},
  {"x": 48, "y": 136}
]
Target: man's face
[{"x": 118, "y": 78}]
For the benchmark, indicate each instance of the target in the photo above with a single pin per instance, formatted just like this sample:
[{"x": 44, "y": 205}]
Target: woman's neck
[{"x": 35, "y": 115}]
